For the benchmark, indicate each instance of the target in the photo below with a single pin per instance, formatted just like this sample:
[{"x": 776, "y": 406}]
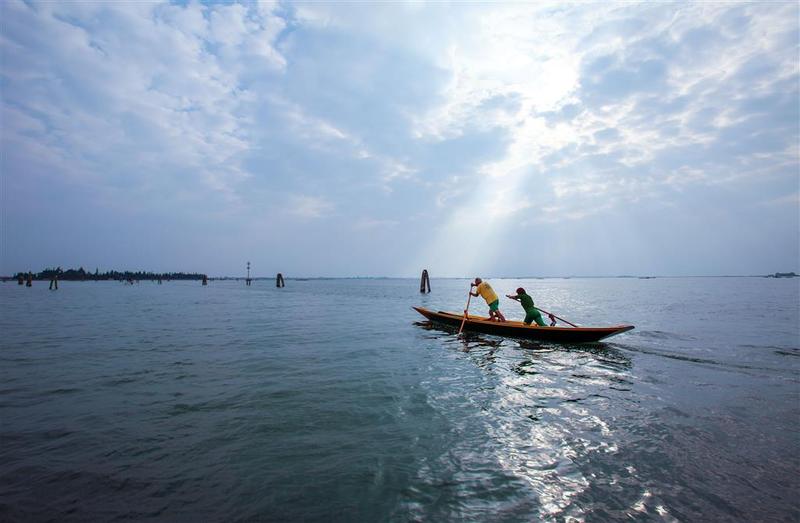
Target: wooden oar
[
  {"x": 469, "y": 297},
  {"x": 556, "y": 317}
]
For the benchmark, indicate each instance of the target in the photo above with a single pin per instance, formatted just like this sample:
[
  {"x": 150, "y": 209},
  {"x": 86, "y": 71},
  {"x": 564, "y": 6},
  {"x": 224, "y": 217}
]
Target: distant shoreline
[
  {"x": 80, "y": 274},
  {"x": 194, "y": 277}
]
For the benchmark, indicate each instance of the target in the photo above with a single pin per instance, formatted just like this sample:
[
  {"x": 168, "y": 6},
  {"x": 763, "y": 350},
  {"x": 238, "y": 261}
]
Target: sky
[{"x": 356, "y": 139}]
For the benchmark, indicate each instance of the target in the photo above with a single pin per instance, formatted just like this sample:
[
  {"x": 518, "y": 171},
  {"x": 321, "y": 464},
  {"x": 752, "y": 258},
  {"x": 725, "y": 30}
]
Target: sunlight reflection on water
[{"x": 233, "y": 403}]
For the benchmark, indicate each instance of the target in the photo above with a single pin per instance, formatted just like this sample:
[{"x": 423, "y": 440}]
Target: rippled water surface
[{"x": 334, "y": 400}]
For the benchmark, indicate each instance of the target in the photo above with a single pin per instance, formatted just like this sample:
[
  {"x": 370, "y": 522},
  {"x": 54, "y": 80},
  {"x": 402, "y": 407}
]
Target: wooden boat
[{"x": 517, "y": 329}]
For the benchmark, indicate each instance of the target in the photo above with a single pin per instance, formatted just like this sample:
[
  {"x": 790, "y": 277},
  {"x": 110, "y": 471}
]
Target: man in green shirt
[{"x": 531, "y": 313}]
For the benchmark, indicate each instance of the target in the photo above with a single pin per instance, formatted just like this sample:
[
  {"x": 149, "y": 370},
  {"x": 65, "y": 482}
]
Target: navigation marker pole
[{"x": 425, "y": 282}]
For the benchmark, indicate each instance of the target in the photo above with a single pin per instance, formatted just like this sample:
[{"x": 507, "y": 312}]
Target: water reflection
[
  {"x": 468, "y": 340},
  {"x": 546, "y": 411}
]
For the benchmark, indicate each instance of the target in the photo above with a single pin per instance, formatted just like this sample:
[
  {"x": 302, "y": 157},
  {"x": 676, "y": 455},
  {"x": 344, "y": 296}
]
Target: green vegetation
[{"x": 81, "y": 275}]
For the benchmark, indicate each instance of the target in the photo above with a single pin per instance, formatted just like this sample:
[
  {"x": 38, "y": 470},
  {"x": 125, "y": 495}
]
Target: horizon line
[{"x": 527, "y": 277}]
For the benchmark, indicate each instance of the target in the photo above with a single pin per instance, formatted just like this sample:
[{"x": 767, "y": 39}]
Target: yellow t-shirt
[{"x": 486, "y": 292}]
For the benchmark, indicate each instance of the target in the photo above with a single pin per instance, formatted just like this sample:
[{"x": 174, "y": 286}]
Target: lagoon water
[{"x": 332, "y": 400}]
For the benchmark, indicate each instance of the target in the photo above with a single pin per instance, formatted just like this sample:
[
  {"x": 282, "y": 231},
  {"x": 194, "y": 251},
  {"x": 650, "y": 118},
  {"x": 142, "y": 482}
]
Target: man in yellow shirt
[{"x": 485, "y": 290}]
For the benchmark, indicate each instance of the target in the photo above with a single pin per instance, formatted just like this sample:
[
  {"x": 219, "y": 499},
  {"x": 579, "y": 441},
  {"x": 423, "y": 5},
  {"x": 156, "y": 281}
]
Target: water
[{"x": 332, "y": 400}]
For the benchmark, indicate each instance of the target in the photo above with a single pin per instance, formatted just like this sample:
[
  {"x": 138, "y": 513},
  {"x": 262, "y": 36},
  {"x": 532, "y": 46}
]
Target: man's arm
[{"x": 512, "y": 297}]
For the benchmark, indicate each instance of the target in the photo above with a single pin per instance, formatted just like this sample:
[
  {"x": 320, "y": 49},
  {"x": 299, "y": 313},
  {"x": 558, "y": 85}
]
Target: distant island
[{"x": 82, "y": 275}]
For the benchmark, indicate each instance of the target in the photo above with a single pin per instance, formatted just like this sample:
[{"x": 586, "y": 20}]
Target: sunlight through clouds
[
  {"x": 547, "y": 126},
  {"x": 614, "y": 129}
]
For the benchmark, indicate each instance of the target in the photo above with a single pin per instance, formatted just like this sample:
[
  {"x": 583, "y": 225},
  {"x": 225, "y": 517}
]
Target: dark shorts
[{"x": 495, "y": 305}]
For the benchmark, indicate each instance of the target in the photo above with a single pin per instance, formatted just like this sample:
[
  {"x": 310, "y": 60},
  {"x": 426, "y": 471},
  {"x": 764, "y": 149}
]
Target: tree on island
[{"x": 80, "y": 275}]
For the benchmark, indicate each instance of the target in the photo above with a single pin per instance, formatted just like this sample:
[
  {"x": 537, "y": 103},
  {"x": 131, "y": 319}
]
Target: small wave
[
  {"x": 589, "y": 397},
  {"x": 702, "y": 361},
  {"x": 183, "y": 408},
  {"x": 660, "y": 335},
  {"x": 3, "y": 392},
  {"x": 62, "y": 391},
  {"x": 781, "y": 351},
  {"x": 118, "y": 381},
  {"x": 680, "y": 357},
  {"x": 14, "y": 439},
  {"x": 752, "y": 346}
]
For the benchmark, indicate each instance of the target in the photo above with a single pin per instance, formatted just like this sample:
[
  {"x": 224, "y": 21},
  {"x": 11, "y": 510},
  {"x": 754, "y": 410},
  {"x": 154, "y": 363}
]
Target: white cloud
[
  {"x": 310, "y": 207},
  {"x": 394, "y": 170},
  {"x": 228, "y": 24},
  {"x": 481, "y": 119},
  {"x": 323, "y": 135},
  {"x": 624, "y": 142},
  {"x": 137, "y": 83}
]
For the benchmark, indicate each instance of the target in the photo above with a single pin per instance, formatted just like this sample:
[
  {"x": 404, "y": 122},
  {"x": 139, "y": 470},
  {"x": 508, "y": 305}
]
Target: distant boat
[
  {"x": 782, "y": 275},
  {"x": 517, "y": 329}
]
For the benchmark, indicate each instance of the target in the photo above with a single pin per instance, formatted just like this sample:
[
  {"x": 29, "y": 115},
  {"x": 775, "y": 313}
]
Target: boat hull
[{"x": 516, "y": 329}]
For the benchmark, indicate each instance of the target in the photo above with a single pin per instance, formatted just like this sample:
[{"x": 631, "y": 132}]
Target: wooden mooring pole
[{"x": 425, "y": 282}]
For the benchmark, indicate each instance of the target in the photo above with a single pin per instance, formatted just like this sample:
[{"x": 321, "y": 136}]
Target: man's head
[
  {"x": 478, "y": 281},
  {"x": 520, "y": 291}
]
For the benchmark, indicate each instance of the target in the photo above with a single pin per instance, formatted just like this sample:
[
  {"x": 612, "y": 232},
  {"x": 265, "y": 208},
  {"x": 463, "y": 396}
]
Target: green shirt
[{"x": 527, "y": 302}]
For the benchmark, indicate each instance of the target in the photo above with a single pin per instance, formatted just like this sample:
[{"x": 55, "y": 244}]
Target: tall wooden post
[
  {"x": 279, "y": 281},
  {"x": 425, "y": 282},
  {"x": 248, "y": 280}
]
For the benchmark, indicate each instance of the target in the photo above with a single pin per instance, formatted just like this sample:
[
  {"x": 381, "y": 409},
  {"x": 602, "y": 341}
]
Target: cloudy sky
[{"x": 342, "y": 139}]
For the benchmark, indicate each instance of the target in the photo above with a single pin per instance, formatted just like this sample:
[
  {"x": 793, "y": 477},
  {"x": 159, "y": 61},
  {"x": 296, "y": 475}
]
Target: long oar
[
  {"x": 556, "y": 317},
  {"x": 469, "y": 297}
]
